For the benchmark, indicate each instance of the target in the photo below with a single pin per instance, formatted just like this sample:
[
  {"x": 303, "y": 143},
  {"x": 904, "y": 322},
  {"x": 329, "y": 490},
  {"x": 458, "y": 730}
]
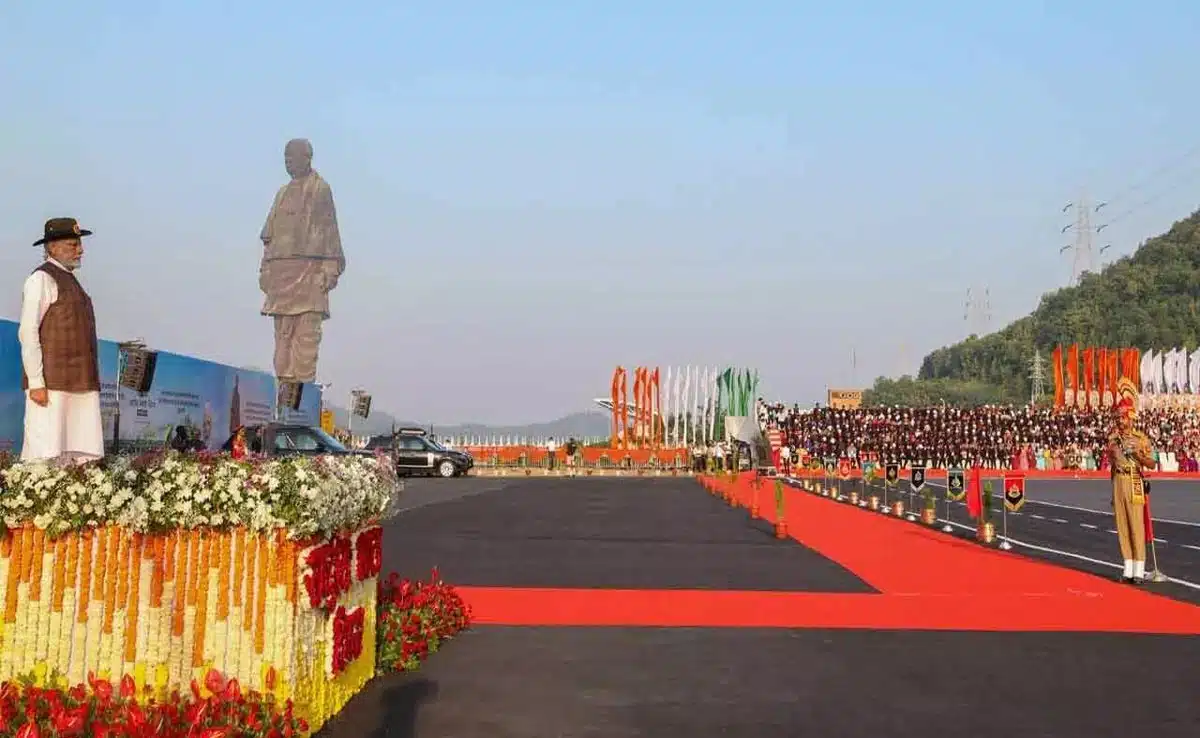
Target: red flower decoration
[
  {"x": 330, "y": 575},
  {"x": 96, "y": 710},
  {"x": 368, "y": 554},
  {"x": 348, "y": 631}
]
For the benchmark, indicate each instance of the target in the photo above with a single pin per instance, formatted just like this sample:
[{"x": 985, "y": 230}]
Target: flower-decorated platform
[{"x": 165, "y": 568}]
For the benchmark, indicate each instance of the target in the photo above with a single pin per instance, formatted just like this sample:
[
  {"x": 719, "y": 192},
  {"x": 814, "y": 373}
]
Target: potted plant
[
  {"x": 869, "y": 487},
  {"x": 928, "y": 506},
  {"x": 986, "y": 532},
  {"x": 780, "y": 519}
]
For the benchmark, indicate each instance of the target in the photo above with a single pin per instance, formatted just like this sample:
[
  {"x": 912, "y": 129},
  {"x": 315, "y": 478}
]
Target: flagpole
[
  {"x": 912, "y": 494},
  {"x": 947, "y": 528},
  {"x": 1004, "y": 544},
  {"x": 1156, "y": 575}
]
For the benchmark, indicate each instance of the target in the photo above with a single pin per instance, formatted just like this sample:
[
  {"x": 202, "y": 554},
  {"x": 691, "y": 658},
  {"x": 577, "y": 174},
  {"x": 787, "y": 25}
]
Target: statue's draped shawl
[{"x": 302, "y": 250}]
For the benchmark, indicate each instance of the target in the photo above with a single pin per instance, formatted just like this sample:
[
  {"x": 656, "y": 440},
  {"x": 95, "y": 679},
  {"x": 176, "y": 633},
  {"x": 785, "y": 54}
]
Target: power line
[
  {"x": 1192, "y": 176},
  {"x": 1170, "y": 164}
]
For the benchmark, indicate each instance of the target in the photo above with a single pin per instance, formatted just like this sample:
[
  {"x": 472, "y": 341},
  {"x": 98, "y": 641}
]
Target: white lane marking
[
  {"x": 1075, "y": 555},
  {"x": 1029, "y": 499},
  {"x": 1090, "y": 560}
]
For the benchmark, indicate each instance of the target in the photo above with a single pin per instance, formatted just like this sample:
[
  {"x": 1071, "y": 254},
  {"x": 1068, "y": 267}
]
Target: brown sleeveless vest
[{"x": 70, "y": 357}]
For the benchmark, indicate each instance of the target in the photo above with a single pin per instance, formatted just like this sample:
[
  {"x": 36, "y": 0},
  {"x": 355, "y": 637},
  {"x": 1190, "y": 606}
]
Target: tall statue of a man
[{"x": 302, "y": 261}]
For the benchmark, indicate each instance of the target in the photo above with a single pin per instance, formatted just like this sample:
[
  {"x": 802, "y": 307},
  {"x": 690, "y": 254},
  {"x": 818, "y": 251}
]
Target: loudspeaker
[
  {"x": 138, "y": 371},
  {"x": 362, "y": 405}
]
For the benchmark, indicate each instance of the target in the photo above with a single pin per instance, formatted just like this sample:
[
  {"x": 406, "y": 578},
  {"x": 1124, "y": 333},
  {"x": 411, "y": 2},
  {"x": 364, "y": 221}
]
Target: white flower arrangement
[{"x": 310, "y": 497}]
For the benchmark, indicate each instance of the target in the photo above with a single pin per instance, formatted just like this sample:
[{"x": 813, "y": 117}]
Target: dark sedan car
[
  {"x": 283, "y": 439},
  {"x": 417, "y": 453}
]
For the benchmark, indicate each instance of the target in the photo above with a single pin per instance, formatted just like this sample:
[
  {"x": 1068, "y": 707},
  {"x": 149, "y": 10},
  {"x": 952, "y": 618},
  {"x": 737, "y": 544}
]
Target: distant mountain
[{"x": 579, "y": 425}]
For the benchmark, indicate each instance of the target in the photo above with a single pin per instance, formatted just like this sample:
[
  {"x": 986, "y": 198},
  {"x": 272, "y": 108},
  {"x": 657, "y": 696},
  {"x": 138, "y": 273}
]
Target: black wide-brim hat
[{"x": 61, "y": 229}]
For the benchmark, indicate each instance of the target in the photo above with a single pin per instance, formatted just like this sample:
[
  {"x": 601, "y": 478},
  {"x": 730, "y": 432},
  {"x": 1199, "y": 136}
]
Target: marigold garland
[{"x": 163, "y": 571}]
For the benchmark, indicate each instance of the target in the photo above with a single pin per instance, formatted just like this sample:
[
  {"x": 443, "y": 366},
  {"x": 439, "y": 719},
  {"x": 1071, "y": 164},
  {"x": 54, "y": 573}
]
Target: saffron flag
[
  {"x": 975, "y": 493},
  {"x": 1057, "y": 360}
]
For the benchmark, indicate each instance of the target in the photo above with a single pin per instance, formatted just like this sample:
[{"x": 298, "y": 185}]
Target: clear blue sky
[{"x": 531, "y": 193}]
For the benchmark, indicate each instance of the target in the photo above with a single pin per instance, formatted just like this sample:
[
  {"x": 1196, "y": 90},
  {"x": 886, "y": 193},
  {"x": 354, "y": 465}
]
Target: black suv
[
  {"x": 417, "y": 453},
  {"x": 283, "y": 439}
]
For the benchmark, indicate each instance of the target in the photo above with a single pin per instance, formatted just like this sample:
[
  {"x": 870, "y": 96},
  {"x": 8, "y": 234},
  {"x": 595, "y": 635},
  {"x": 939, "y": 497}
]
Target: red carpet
[
  {"x": 1083, "y": 611},
  {"x": 929, "y": 581}
]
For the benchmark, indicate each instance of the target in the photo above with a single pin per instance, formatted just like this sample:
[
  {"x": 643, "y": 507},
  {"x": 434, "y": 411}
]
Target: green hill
[{"x": 1147, "y": 300}]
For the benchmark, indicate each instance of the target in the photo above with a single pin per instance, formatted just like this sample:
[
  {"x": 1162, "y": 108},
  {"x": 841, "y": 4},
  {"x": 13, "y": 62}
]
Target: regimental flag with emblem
[
  {"x": 1014, "y": 491},
  {"x": 830, "y": 467},
  {"x": 844, "y": 468},
  {"x": 956, "y": 487},
  {"x": 916, "y": 478},
  {"x": 870, "y": 471},
  {"x": 891, "y": 475}
]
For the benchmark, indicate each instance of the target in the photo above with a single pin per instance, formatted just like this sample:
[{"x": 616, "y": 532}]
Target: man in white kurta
[{"x": 59, "y": 354}]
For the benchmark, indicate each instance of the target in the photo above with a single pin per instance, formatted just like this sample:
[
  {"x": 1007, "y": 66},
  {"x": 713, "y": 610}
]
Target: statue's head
[{"x": 297, "y": 157}]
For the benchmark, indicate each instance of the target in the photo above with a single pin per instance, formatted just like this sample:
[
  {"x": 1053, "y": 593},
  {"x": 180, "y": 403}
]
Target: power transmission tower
[
  {"x": 1083, "y": 256},
  {"x": 1037, "y": 377},
  {"x": 978, "y": 313}
]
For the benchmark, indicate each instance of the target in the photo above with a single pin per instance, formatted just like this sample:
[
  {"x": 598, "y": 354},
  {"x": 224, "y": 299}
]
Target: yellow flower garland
[{"x": 167, "y": 608}]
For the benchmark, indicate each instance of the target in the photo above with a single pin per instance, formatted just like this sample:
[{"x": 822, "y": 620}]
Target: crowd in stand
[{"x": 992, "y": 436}]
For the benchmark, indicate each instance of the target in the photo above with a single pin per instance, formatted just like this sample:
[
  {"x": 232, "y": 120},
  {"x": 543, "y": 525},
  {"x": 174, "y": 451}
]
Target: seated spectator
[{"x": 992, "y": 436}]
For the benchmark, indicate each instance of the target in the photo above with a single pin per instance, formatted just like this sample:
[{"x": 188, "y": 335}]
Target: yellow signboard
[
  {"x": 327, "y": 421},
  {"x": 845, "y": 399}
]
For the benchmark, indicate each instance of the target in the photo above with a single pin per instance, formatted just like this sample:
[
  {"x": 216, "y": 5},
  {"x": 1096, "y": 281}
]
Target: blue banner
[{"x": 211, "y": 399}]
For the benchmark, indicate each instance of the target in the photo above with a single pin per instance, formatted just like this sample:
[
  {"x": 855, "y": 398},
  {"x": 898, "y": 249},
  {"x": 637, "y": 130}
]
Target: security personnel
[{"x": 1129, "y": 452}]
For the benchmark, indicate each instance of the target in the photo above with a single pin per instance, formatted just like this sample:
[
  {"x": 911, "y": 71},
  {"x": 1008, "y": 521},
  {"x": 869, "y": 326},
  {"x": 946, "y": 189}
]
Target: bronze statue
[{"x": 302, "y": 261}]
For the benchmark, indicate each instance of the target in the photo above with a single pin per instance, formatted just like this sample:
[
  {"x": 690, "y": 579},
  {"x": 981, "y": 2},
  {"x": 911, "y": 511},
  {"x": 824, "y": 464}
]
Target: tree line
[{"x": 1149, "y": 300}]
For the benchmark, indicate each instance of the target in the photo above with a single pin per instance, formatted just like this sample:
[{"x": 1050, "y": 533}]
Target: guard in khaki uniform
[{"x": 1129, "y": 452}]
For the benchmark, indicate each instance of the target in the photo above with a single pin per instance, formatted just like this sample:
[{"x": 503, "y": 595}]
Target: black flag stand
[
  {"x": 912, "y": 491},
  {"x": 953, "y": 476}
]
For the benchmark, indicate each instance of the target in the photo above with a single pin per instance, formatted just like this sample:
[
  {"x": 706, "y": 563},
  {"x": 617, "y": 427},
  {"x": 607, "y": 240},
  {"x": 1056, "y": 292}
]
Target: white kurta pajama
[{"x": 70, "y": 425}]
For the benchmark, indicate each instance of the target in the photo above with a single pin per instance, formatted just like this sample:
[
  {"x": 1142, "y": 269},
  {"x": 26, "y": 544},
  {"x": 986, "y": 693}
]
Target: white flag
[
  {"x": 683, "y": 406},
  {"x": 680, "y": 393},
  {"x": 1194, "y": 372},
  {"x": 1147, "y": 371},
  {"x": 711, "y": 411},
  {"x": 666, "y": 409}
]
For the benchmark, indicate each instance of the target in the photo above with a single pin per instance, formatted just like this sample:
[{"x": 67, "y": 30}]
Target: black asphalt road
[
  {"x": 537, "y": 682},
  {"x": 499, "y": 682},
  {"x": 612, "y": 533},
  {"x": 1070, "y": 522}
]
